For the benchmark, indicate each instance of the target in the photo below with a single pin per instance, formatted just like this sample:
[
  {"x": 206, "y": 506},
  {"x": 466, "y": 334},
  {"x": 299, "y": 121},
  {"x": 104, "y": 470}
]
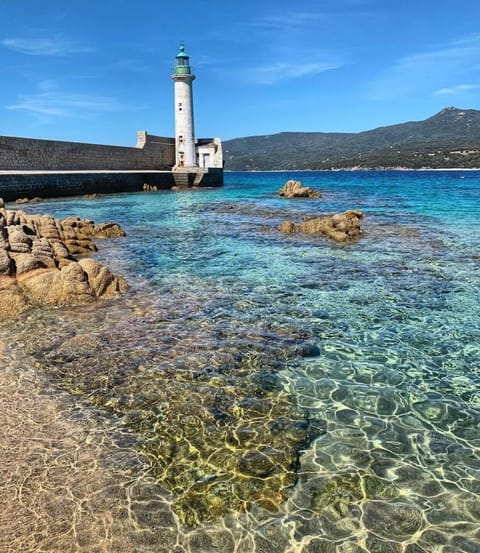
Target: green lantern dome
[
  {"x": 182, "y": 63},
  {"x": 182, "y": 53}
]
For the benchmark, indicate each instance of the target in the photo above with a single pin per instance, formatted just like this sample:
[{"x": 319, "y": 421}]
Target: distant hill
[{"x": 451, "y": 138}]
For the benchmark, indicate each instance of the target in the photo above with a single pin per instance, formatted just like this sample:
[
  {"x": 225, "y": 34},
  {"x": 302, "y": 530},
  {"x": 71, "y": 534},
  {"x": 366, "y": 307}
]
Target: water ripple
[{"x": 270, "y": 393}]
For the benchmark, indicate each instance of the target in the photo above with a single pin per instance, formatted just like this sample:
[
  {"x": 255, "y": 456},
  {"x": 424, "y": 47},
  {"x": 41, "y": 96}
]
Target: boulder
[
  {"x": 3, "y": 236},
  {"x": 11, "y": 217},
  {"x": 5, "y": 263},
  {"x": 41, "y": 247},
  {"x": 295, "y": 189},
  {"x": 102, "y": 282},
  {"x": 108, "y": 230},
  {"x": 79, "y": 246},
  {"x": 40, "y": 266},
  {"x": 48, "y": 227},
  {"x": 26, "y": 262},
  {"x": 60, "y": 251},
  {"x": 19, "y": 240},
  {"x": 341, "y": 227},
  {"x": 36, "y": 199}
]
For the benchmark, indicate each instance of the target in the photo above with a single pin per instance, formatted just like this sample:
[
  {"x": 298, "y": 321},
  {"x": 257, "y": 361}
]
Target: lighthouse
[{"x": 184, "y": 130}]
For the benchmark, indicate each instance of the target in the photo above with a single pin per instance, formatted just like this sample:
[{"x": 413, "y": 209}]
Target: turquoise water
[{"x": 284, "y": 393}]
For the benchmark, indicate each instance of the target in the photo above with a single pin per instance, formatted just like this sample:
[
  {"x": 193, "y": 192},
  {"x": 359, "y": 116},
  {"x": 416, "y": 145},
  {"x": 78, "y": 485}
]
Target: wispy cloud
[
  {"x": 272, "y": 74},
  {"x": 289, "y": 20},
  {"x": 300, "y": 20},
  {"x": 419, "y": 71},
  {"x": 290, "y": 43},
  {"x": 58, "y": 46},
  {"x": 457, "y": 90},
  {"x": 49, "y": 102}
]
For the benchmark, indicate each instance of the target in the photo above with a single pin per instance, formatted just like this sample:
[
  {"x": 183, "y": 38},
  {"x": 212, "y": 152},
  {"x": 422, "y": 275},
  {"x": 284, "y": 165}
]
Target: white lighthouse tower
[{"x": 184, "y": 129}]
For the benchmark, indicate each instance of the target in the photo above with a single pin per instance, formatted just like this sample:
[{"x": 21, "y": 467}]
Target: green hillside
[{"x": 451, "y": 138}]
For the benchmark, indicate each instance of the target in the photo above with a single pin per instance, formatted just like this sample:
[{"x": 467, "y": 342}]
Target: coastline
[{"x": 352, "y": 169}]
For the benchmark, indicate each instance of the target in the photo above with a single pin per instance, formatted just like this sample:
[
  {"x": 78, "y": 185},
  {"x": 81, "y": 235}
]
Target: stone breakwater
[{"x": 43, "y": 263}]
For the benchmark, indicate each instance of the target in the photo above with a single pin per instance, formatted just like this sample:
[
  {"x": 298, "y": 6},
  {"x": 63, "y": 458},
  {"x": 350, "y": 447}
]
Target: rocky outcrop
[
  {"x": 41, "y": 262},
  {"x": 28, "y": 200},
  {"x": 341, "y": 227},
  {"x": 295, "y": 189},
  {"x": 150, "y": 188}
]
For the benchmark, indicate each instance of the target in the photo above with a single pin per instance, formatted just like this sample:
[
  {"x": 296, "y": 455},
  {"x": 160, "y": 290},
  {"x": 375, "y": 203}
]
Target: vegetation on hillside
[{"x": 451, "y": 138}]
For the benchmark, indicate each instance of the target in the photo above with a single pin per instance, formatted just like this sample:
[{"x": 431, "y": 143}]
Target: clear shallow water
[{"x": 281, "y": 393}]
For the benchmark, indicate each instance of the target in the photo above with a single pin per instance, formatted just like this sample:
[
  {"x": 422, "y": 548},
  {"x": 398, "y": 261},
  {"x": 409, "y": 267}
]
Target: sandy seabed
[{"x": 56, "y": 495}]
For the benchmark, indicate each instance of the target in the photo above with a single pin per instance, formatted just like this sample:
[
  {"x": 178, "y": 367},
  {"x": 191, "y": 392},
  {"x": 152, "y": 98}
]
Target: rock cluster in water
[
  {"x": 295, "y": 189},
  {"x": 36, "y": 199},
  {"x": 341, "y": 227},
  {"x": 42, "y": 262}
]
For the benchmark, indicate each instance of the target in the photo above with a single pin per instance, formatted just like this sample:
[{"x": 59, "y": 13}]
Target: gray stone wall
[
  {"x": 53, "y": 185},
  {"x": 27, "y": 154},
  {"x": 48, "y": 185}
]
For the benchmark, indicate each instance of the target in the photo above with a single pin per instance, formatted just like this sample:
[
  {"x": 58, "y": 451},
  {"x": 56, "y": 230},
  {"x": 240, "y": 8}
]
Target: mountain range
[{"x": 449, "y": 139}]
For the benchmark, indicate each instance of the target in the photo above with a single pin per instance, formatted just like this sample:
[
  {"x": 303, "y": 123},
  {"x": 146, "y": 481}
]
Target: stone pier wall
[
  {"x": 28, "y": 154},
  {"x": 49, "y": 168}
]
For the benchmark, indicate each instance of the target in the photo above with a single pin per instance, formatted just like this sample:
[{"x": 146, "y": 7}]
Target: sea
[{"x": 255, "y": 391}]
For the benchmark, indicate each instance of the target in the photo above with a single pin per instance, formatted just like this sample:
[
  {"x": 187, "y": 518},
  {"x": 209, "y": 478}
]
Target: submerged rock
[
  {"x": 39, "y": 262},
  {"x": 217, "y": 449},
  {"x": 295, "y": 189},
  {"x": 341, "y": 227}
]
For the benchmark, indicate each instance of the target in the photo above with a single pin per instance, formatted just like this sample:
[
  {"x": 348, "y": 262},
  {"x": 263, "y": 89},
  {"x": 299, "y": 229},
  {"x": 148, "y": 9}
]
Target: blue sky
[{"x": 99, "y": 70}]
